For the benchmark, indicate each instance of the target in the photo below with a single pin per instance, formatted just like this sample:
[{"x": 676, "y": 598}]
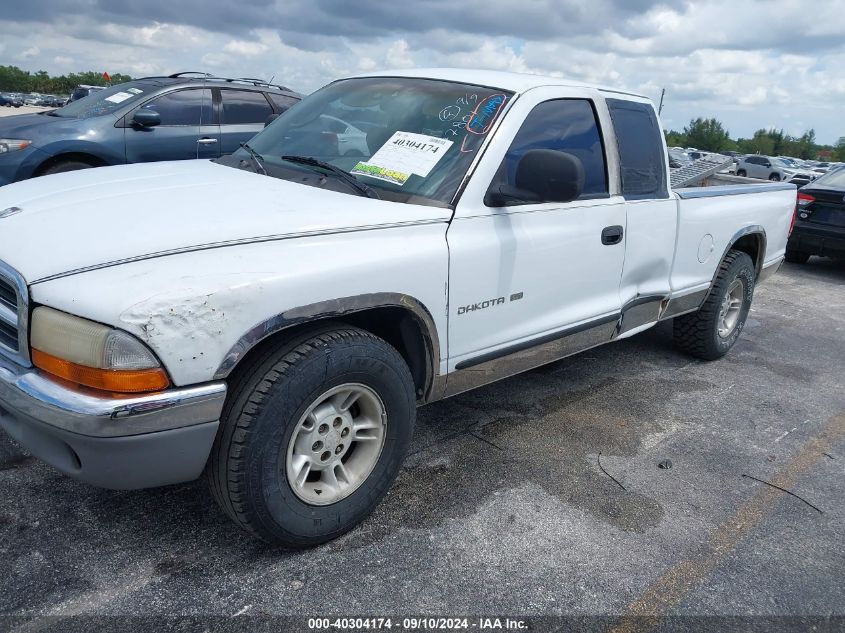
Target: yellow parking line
[{"x": 678, "y": 581}]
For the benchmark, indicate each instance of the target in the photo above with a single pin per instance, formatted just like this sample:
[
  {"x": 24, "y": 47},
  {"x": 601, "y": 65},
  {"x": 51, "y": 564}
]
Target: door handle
[
  {"x": 611, "y": 235},
  {"x": 206, "y": 141}
]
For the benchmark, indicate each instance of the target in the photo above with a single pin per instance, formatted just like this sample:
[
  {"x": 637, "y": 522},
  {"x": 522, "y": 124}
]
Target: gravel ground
[
  {"x": 22, "y": 110},
  {"x": 502, "y": 507}
]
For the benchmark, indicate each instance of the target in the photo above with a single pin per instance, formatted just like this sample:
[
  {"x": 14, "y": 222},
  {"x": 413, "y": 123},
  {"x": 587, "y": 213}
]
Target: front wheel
[
  {"x": 741, "y": 172},
  {"x": 313, "y": 437},
  {"x": 774, "y": 178},
  {"x": 713, "y": 330},
  {"x": 64, "y": 166}
]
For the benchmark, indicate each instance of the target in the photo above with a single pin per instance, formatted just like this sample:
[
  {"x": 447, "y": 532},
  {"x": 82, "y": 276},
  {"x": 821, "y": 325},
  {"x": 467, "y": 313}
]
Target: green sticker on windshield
[{"x": 381, "y": 173}]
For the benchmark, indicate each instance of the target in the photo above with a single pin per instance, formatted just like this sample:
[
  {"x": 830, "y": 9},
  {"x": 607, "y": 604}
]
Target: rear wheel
[
  {"x": 796, "y": 257},
  {"x": 313, "y": 437},
  {"x": 66, "y": 165},
  {"x": 713, "y": 330}
]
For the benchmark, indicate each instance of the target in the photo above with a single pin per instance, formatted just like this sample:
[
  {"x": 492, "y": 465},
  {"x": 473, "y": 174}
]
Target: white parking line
[{"x": 783, "y": 435}]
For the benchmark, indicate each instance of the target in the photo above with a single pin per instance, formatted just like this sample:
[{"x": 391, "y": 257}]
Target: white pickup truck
[{"x": 273, "y": 318}]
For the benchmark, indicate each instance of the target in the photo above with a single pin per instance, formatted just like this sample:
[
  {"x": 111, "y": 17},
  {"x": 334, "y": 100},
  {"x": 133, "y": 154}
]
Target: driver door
[
  {"x": 524, "y": 275},
  {"x": 177, "y": 137}
]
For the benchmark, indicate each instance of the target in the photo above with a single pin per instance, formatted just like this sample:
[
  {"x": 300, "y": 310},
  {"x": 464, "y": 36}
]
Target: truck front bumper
[{"x": 119, "y": 442}]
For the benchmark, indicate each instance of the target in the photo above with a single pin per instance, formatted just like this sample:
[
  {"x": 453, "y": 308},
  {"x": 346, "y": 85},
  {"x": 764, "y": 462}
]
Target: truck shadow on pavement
[
  {"x": 539, "y": 434},
  {"x": 821, "y": 268}
]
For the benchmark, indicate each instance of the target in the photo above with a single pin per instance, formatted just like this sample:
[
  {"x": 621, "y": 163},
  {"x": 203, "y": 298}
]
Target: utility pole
[{"x": 660, "y": 108}]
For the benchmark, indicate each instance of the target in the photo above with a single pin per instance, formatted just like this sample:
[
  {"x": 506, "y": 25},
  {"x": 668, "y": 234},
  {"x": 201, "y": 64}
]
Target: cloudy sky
[{"x": 752, "y": 63}]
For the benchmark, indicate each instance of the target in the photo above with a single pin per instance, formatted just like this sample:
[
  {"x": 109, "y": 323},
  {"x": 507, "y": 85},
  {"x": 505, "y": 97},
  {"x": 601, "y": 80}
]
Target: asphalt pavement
[{"x": 538, "y": 495}]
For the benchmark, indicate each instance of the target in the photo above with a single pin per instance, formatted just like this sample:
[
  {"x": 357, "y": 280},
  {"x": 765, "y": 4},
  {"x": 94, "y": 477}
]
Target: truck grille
[{"x": 14, "y": 315}]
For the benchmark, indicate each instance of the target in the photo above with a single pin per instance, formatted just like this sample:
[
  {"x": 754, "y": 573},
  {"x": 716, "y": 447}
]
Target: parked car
[
  {"x": 7, "y": 102},
  {"x": 55, "y": 101},
  {"x": 820, "y": 223},
  {"x": 678, "y": 158},
  {"x": 272, "y": 318},
  {"x": 13, "y": 99},
  {"x": 82, "y": 91},
  {"x": 157, "y": 118},
  {"x": 771, "y": 168}
]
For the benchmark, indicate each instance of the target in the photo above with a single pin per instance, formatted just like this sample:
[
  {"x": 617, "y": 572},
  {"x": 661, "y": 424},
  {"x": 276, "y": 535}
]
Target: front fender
[
  {"x": 107, "y": 151},
  {"x": 200, "y": 312}
]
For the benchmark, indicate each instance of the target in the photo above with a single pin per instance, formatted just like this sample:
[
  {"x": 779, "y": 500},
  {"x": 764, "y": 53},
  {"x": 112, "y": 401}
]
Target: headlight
[
  {"x": 92, "y": 354},
  {"x": 12, "y": 144}
]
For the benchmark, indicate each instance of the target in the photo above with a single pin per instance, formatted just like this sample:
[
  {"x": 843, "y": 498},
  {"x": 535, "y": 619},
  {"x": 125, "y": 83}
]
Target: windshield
[
  {"x": 101, "y": 102},
  {"x": 409, "y": 139},
  {"x": 834, "y": 179}
]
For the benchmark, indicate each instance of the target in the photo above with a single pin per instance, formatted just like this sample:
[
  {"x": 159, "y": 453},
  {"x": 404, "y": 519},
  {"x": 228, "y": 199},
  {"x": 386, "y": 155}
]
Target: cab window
[{"x": 563, "y": 125}]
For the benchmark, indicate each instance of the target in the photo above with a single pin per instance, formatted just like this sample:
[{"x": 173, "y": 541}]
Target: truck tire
[
  {"x": 312, "y": 436},
  {"x": 796, "y": 257},
  {"x": 65, "y": 165},
  {"x": 711, "y": 331}
]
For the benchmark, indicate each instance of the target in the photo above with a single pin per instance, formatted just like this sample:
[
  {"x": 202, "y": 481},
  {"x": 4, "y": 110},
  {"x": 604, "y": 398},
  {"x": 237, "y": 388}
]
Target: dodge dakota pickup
[{"x": 272, "y": 319}]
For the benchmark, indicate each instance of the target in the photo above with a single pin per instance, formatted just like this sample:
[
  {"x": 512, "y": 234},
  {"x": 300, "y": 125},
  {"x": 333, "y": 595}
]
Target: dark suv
[{"x": 178, "y": 117}]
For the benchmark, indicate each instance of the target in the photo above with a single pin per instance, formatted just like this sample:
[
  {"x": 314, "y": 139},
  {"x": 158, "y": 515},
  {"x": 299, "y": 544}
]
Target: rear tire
[
  {"x": 66, "y": 165},
  {"x": 796, "y": 257},
  {"x": 713, "y": 330},
  {"x": 273, "y": 424}
]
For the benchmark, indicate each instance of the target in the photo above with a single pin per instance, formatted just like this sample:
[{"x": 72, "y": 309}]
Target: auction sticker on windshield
[
  {"x": 403, "y": 155},
  {"x": 119, "y": 97}
]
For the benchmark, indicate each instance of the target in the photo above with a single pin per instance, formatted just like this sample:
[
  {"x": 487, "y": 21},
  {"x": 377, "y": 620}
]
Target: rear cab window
[{"x": 639, "y": 142}]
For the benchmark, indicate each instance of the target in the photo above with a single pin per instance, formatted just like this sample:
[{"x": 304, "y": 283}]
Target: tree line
[
  {"x": 13, "y": 79},
  {"x": 711, "y": 136}
]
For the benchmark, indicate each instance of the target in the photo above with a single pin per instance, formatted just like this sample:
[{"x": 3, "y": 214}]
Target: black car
[
  {"x": 820, "y": 219},
  {"x": 180, "y": 117}
]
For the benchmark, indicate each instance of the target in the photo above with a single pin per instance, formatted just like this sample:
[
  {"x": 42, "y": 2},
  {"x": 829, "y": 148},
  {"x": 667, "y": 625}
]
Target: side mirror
[
  {"x": 767, "y": 164},
  {"x": 146, "y": 118},
  {"x": 542, "y": 175},
  {"x": 270, "y": 119}
]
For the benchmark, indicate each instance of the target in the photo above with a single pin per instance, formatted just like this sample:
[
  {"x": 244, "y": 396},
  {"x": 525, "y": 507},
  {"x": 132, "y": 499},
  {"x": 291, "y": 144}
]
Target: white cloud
[
  {"x": 245, "y": 48},
  {"x": 773, "y": 61},
  {"x": 29, "y": 53}
]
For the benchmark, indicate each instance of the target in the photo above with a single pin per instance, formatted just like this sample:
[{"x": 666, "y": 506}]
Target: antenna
[{"x": 660, "y": 108}]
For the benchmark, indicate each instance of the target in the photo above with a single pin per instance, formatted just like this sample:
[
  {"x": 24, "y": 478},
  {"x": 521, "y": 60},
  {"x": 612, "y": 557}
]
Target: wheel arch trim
[
  {"x": 754, "y": 230},
  {"x": 751, "y": 230},
  {"x": 334, "y": 308}
]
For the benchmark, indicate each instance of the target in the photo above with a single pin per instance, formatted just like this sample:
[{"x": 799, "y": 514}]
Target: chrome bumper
[
  {"x": 109, "y": 441},
  {"x": 28, "y": 393}
]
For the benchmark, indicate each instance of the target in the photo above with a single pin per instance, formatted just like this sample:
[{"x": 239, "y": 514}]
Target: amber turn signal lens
[{"x": 116, "y": 380}]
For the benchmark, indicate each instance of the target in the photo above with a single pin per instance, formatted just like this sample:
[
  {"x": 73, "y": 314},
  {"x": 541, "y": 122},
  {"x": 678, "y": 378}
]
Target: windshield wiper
[
  {"x": 256, "y": 158},
  {"x": 346, "y": 177}
]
